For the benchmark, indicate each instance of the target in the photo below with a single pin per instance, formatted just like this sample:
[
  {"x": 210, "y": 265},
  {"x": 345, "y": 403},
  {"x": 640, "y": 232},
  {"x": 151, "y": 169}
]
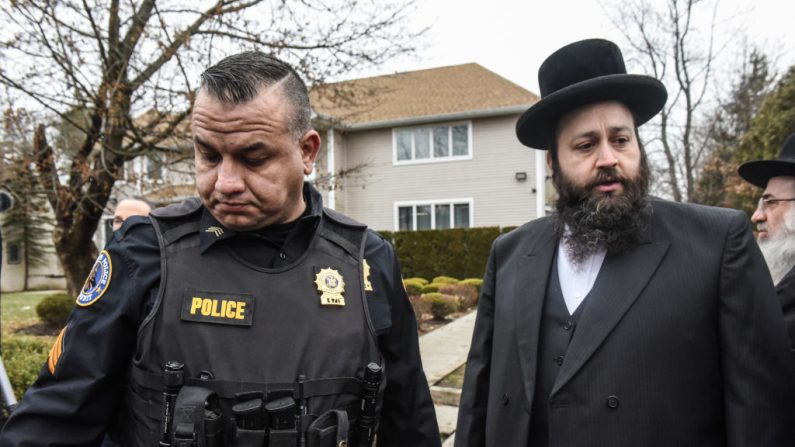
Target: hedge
[
  {"x": 458, "y": 252},
  {"x": 23, "y": 358}
]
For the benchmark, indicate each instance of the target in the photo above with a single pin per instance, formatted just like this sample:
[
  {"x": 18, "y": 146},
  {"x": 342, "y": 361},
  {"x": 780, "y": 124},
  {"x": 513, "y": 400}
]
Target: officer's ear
[{"x": 310, "y": 145}]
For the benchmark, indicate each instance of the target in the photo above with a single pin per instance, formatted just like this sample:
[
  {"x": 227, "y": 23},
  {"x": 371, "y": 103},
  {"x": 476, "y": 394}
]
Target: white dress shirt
[{"x": 576, "y": 280}]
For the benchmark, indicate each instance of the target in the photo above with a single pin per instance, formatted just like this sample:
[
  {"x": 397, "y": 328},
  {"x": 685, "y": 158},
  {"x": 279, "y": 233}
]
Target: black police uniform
[{"x": 73, "y": 404}]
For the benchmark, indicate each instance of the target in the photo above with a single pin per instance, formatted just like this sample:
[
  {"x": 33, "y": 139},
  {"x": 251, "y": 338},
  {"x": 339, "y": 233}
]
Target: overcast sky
[{"x": 513, "y": 37}]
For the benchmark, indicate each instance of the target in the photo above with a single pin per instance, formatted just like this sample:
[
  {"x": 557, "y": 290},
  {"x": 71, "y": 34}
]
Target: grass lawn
[
  {"x": 455, "y": 379},
  {"x": 24, "y": 340},
  {"x": 18, "y": 313}
]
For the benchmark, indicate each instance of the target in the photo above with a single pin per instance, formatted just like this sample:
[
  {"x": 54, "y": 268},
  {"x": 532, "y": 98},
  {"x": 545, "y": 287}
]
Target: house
[{"x": 428, "y": 149}]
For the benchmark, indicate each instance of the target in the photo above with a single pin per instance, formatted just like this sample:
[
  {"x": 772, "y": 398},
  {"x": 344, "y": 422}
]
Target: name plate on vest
[{"x": 217, "y": 307}]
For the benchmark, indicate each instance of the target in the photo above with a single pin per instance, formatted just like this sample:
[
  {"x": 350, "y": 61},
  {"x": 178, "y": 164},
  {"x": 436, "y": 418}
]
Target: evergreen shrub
[
  {"x": 422, "y": 281},
  {"x": 477, "y": 282},
  {"x": 445, "y": 280},
  {"x": 467, "y": 294},
  {"x": 23, "y": 358},
  {"x": 413, "y": 287},
  {"x": 430, "y": 288},
  {"x": 55, "y": 309},
  {"x": 441, "y": 305}
]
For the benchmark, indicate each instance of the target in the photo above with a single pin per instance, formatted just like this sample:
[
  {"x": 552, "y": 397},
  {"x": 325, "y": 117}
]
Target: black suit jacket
[
  {"x": 685, "y": 346},
  {"x": 786, "y": 294}
]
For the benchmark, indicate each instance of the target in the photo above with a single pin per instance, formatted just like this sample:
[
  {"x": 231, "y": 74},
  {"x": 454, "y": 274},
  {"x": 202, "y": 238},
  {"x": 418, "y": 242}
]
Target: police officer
[{"x": 256, "y": 290}]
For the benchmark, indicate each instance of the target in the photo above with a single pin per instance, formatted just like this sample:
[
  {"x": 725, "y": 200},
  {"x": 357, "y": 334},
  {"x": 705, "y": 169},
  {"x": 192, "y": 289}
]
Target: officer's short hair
[{"x": 238, "y": 79}]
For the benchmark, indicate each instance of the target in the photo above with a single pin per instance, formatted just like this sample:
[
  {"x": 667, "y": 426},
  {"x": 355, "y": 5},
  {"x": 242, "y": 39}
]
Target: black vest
[
  {"x": 556, "y": 332},
  {"x": 238, "y": 328}
]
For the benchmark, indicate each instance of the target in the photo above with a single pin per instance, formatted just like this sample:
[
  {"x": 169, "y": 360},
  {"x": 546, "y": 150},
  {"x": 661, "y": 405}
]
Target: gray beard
[{"x": 779, "y": 253}]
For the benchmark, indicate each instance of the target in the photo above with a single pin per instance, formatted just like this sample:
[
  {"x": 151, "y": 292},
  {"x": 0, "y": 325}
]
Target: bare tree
[
  {"x": 663, "y": 38},
  {"x": 121, "y": 76}
]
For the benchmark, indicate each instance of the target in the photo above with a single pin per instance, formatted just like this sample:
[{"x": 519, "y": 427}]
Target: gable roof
[{"x": 452, "y": 92}]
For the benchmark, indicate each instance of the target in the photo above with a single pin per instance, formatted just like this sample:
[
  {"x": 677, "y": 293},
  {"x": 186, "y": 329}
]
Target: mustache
[{"x": 607, "y": 175}]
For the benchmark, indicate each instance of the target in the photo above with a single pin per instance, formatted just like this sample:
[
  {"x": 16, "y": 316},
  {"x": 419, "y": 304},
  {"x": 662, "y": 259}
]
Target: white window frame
[
  {"x": 414, "y": 203},
  {"x": 432, "y": 159}
]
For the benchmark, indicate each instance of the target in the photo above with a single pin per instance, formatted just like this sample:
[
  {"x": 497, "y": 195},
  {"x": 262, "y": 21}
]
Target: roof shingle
[{"x": 415, "y": 94}]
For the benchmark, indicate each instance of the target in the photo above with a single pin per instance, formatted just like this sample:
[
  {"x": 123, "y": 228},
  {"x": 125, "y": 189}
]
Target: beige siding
[
  {"x": 49, "y": 275},
  {"x": 488, "y": 178}
]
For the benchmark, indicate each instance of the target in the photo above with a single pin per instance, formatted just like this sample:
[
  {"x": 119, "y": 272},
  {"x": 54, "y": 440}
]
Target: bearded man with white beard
[{"x": 775, "y": 223}]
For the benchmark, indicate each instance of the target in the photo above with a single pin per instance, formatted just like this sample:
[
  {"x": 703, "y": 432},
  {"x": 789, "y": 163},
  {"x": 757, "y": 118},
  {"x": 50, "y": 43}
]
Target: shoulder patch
[{"x": 97, "y": 282}]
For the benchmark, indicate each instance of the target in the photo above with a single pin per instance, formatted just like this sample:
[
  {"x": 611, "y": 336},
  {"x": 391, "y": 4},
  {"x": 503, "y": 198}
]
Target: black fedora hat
[
  {"x": 758, "y": 172},
  {"x": 581, "y": 73}
]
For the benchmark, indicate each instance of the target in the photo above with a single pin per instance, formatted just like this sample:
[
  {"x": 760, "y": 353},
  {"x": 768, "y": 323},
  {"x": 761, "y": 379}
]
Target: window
[
  {"x": 434, "y": 215},
  {"x": 433, "y": 143},
  {"x": 14, "y": 253},
  {"x": 154, "y": 168}
]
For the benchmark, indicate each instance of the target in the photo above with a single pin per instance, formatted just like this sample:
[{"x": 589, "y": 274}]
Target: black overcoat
[{"x": 685, "y": 346}]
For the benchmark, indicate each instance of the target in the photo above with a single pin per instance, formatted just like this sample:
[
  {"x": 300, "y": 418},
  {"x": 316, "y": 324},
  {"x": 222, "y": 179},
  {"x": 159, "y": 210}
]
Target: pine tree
[
  {"x": 774, "y": 122},
  {"x": 28, "y": 223},
  {"x": 730, "y": 122}
]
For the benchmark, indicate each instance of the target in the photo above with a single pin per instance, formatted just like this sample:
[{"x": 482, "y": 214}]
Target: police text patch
[
  {"x": 97, "y": 282},
  {"x": 218, "y": 307}
]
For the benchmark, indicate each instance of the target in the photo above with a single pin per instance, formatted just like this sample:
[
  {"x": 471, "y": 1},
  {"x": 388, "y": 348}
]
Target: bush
[
  {"x": 422, "y": 281},
  {"x": 430, "y": 288},
  {"x": 441, "y": 305},
  {"x": 477, "y": 282},
  {"x": 23, "y": 358},
  {"x": 413, "y": 287},
  {"x": 55, "y": 309},
  {"x": 445, "y": 280},
  {"x": 467, "y": 294}
]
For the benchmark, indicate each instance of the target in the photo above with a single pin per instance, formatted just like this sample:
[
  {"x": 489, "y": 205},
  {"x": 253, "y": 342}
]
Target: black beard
[{"x": 588, "y": 221}]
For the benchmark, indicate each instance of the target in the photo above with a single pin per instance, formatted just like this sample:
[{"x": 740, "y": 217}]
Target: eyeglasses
[{"x": 768, "y": 203}]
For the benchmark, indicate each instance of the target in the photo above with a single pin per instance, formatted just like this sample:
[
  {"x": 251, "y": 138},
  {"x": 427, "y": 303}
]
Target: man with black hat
[
  {"x": 775, "y": 221},
  {"x": 621, "y": 320}
]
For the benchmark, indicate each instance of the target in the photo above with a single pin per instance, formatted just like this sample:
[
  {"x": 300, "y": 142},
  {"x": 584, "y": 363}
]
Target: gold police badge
[{"x": 331, "y": 286}]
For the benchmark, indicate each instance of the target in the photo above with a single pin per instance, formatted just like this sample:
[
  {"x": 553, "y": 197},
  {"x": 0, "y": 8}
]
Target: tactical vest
[{"x": 249, "y": 336}]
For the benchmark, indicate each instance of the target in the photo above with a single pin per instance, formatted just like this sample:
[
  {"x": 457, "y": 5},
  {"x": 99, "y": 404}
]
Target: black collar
[{"x": 212, "y": 231}]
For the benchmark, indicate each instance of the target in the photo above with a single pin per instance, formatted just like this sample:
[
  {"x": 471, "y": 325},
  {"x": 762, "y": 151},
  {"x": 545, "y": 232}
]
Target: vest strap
[
  {"x": 174, "y": 234},
  {"x": 342, "y": 241},
  {"x": 228, "y": 389},
  {"x": 189, "y": 412}
]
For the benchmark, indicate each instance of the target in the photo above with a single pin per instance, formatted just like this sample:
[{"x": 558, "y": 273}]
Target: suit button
[
  {"x": 558, "y": 360},
  {"x": 282, "y": 256},
  {"x": 612, "y": 402},
  {"x": 568, "y": 325},
  {"x": 505, "y": 399}
]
